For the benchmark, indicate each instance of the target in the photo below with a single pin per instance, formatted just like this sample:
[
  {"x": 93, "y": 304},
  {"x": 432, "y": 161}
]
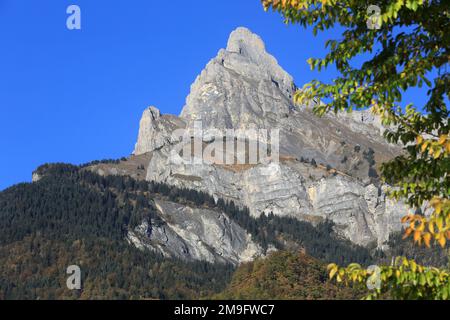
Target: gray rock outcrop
[
  {"x": 155, "y": 130},
  {"x": 361, "y": 212}
]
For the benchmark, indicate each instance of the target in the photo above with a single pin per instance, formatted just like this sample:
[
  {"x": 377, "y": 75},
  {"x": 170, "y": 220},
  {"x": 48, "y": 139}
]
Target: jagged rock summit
[
  {"x": 243, "y": 85},
  {"x": 327, "y": 167}
]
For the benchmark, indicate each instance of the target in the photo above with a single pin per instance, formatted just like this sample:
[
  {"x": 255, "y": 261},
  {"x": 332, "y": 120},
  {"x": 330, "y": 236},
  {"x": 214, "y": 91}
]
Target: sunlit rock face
[
  {"x": 242, "y": 86},
  {"x": 361, "y": 212},
  {"x": 245, "y": 87}
]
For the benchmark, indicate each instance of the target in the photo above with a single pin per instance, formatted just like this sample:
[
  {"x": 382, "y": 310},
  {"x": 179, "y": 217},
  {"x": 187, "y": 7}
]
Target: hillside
[
  {"x": 64, "y": 220},
  {"x": 74, "y": 216},
  {"x": 71, "y": 215}
]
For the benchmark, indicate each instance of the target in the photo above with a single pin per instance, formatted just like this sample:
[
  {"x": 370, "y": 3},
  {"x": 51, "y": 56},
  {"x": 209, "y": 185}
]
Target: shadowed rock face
[
  {"x": 195, "y": 234},
  {"x": 244, "y": 87}
]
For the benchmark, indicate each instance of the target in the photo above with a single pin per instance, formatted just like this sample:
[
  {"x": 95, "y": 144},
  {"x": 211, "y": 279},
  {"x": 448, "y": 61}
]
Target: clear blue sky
[{"x": 77, "y": 96}]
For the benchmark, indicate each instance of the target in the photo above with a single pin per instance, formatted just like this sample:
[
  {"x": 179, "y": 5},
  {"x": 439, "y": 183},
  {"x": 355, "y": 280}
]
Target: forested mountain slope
[{"x": 74, "y": 216}]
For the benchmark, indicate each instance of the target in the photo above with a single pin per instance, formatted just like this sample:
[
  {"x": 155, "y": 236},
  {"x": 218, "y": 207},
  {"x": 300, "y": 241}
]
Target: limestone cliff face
[
  {"x": 244, "y": 87},
  {"x": 361, "y": 211}
]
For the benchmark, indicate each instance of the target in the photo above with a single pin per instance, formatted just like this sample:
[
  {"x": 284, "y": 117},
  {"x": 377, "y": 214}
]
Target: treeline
[{"x": 104, "y": 161}]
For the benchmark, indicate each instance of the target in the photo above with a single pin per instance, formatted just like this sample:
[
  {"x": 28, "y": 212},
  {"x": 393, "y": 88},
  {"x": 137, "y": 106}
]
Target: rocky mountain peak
[
  {"x": 244, "y": 42},
  {"x": 251, "y": 47},
  {"x": 240, "y": 86}
]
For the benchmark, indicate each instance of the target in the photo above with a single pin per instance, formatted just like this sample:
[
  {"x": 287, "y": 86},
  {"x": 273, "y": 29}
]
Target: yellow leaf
[
  {"x": 407, "y": 233},
  {"x": 406, "y": 218},
  {"x": 417, "y": 235},
  {"x": 431, "y": 151},
  {"x": 427, "y": 238},
  {"x": 419, "y": 139},
  {"x": 437, "y": 153},
  {"x": 421, "y": 226},
  {"x": 431, "y": 227},
  {"x": 333, "y": 272},
  {"x": 405, "y": 262},
  {"x": 439, "y": 223},
  {"x": 438, "y": 207},
  {"x": 442, "y": 241},
  {"x": 409, "y": 230},
  {"x": 424, "y": 147},
  {"x": 413, "y": 266},
  {"x": 434, "y": 201},
  {"x": 442, "y": 139}
]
